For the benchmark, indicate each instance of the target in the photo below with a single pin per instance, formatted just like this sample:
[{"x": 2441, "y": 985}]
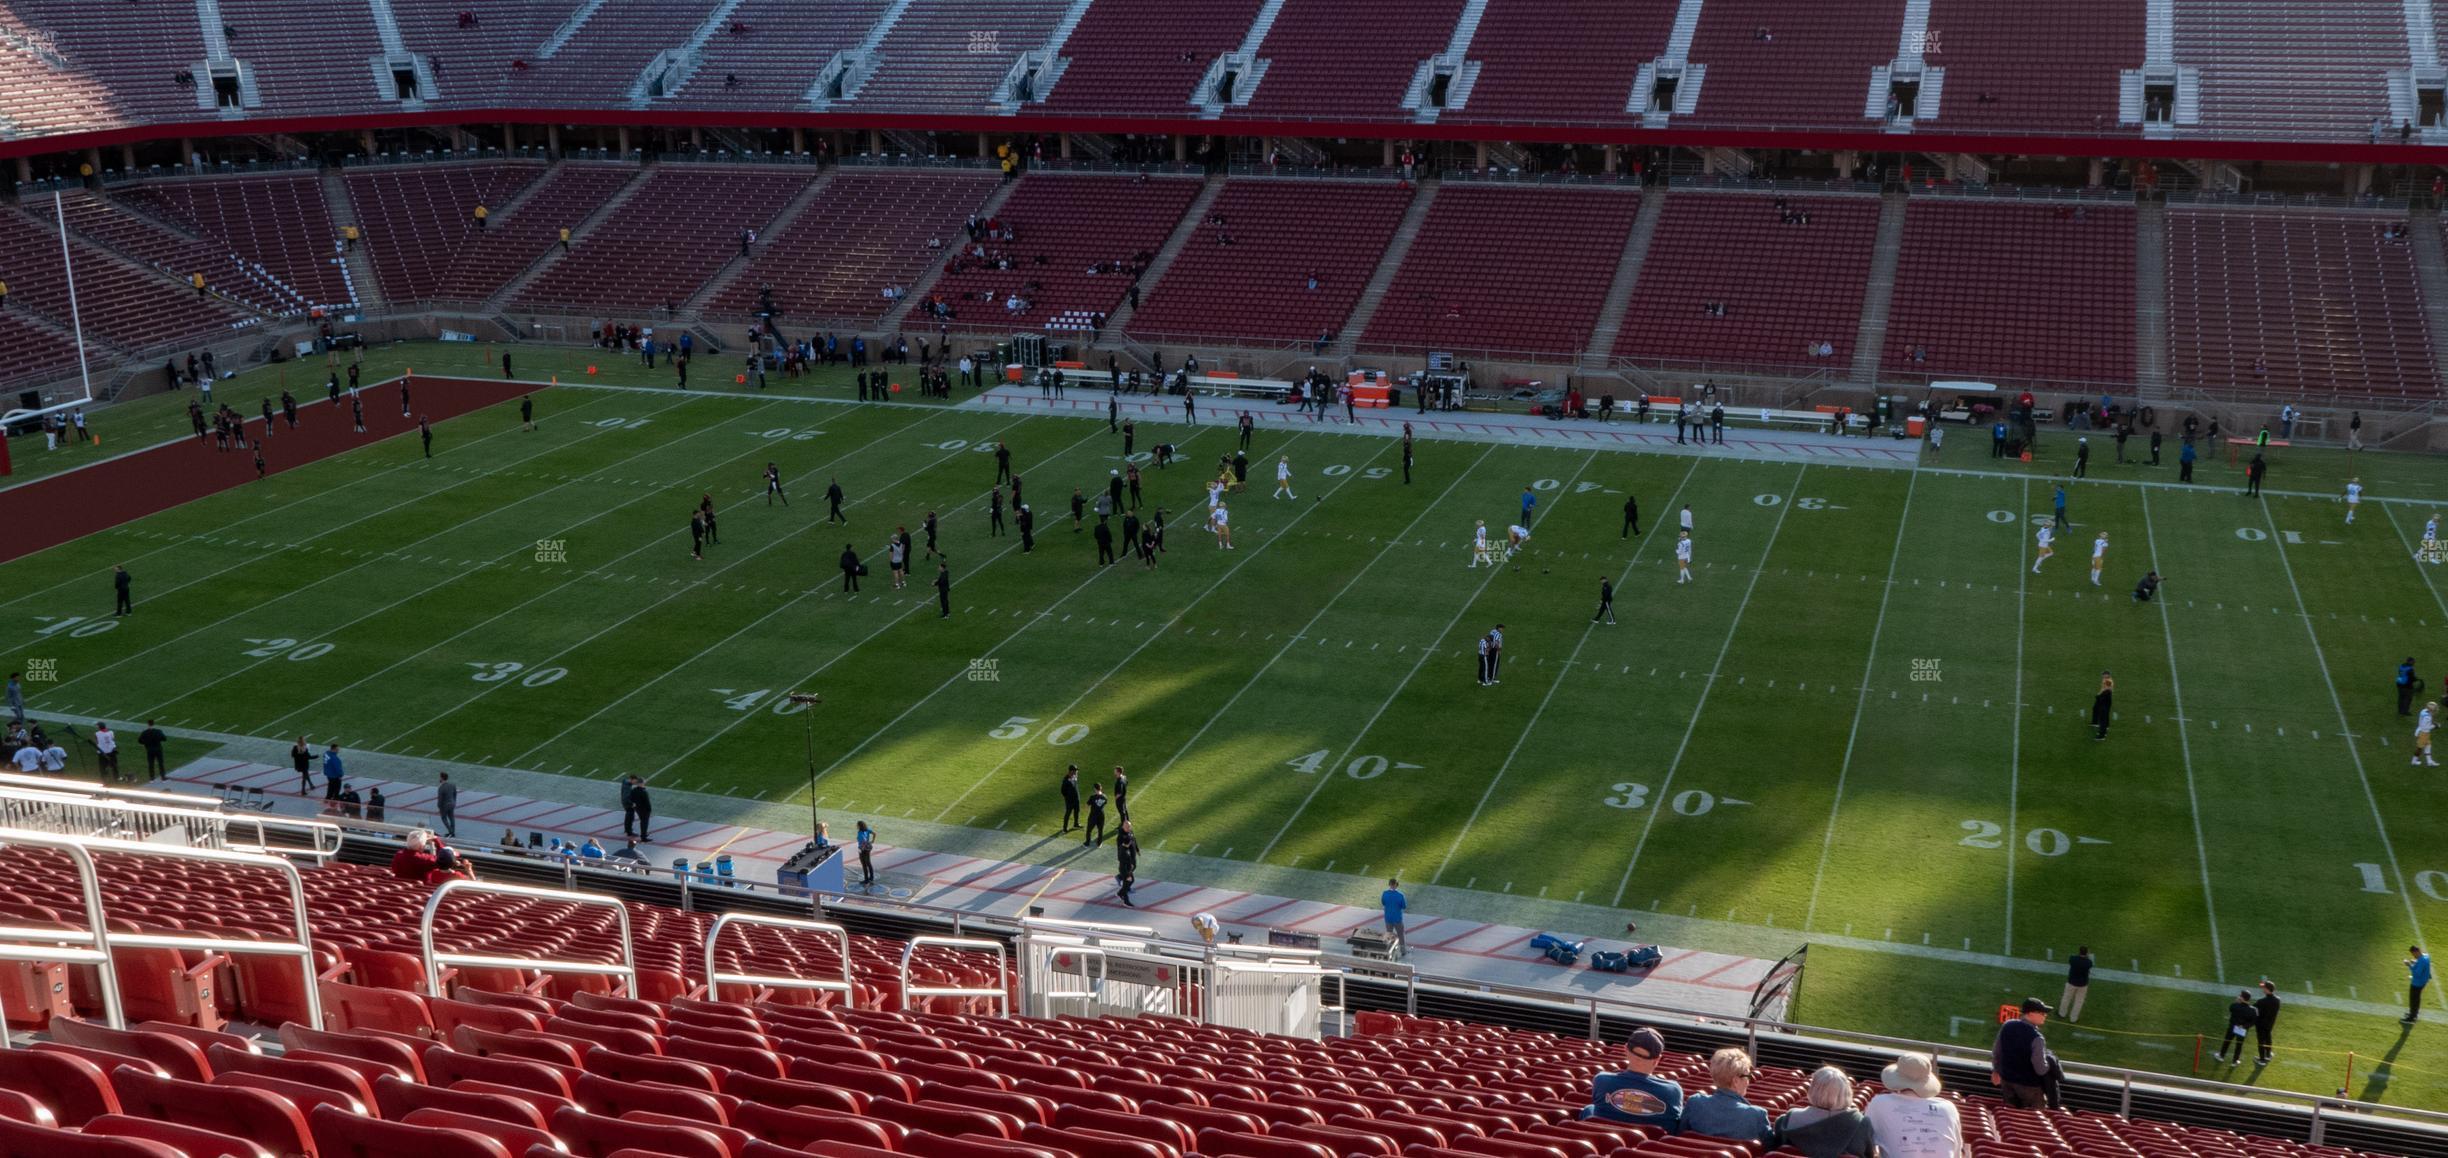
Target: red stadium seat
[
  {"x": 397, "y": 1099},
  {"x": 191, "y": 1141},
  {"x": 338, "y": 1134},
  {"x": 32, "y": 1141},
  {"x": 516, "y": 1138},
  {"x": 786, "y": 1093},
  {"x": 599, "y": 1136},
  {"x": 75, "y": 1089},
  {"x": 267, "y": 1120},
  {"x": 176, "y": 1056},
  {"x": 1095, "y": 1143},
  {"x": 1220, "y": 1144},
  {"x": 799, "y": 1127}
]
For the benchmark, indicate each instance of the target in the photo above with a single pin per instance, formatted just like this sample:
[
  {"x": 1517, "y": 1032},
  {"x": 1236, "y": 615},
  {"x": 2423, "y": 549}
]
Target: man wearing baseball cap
[
  {"x": 1635, "y": 1093},
  {"x": 2020, "y": 1062}
]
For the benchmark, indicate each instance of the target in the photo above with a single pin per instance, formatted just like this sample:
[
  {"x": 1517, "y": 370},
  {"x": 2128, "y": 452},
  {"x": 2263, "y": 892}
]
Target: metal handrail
[
  {"x": 59, "y": 944},
  {"x": 11, "y": 781},
  {"x": 715, "y": 977},
  {"x": 81, "y": 850},
  {"x": 1001, "y": 992},
  {"x": 435, "y": 959},
  {"x": 1096, "y": 984},
  {"x": 216, "y": 825}
]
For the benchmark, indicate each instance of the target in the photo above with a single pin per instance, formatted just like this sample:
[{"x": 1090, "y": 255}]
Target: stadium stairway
[
  {"x": 1117, "y": 323},
  {"x": 735, "y": 265},
  {"x": 1347, "y": 342},
  {"x": 510, "y": 290},
  {"x": 895, "y": 317},
  {"x": 1870, "y": 340},
  {"x": 360, "y": 263},
  {"x": 2431, "y": 268},
  {"x": 1627, "y": 274},
  {"x": 2150, "y": 299}
]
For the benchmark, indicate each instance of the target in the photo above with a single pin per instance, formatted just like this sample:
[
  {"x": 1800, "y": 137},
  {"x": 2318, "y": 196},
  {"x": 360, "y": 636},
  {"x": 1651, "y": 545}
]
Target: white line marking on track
[
  {"x": 1676, "y": 764},
  {"x": 1861, "y": 703},
  {"x": 1552, "y": 687},
  {"x": 2353, "y": 750},
  {"x": 2184, "y": 745},
  {"x": 1388, "y": 702},
  {"x": 1323, "y": 608}
]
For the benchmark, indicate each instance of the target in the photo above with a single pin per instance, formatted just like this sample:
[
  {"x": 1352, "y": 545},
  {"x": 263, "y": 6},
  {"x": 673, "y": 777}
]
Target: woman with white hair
[
  {"x": 1910, "y": 1120},
  {"x": 1829, "y": 1126},
  {"x": 1723, "y": 1112}
]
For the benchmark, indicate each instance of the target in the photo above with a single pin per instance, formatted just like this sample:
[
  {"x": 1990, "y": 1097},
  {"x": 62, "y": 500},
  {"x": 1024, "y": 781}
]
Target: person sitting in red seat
[{"x": 427, "y": 861}]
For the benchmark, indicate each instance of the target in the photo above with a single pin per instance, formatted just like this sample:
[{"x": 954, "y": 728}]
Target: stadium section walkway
[
  {"x": 1476, "y": 426},
  {"x": 1451, "y": 946}
]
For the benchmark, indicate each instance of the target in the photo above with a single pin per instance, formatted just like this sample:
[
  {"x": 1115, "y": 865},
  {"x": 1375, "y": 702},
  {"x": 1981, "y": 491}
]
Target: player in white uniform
[
  {"x": 1215, "y": 495},
  {"x": 2423, "y": 725},
  {"x": 2048, "y": 538},
  {"x": 2354, "y": 498},
  {"x": 1481, "y": 553},
  {"x": 2428, "y": 550},
  {"x": 1516, "y": 537},
  {"x": 1283, "y": 478},
  {"x": 1220, "y": 519},
  {"x": 1683, "y": 557},
  {"x": 2099, "y": 556}
]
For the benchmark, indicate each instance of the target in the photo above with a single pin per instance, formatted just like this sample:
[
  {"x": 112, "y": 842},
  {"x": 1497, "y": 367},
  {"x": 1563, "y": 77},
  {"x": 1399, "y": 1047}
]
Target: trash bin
[
  {"x": 1916, "y": 426},
  {"x": 1013, "y": 372},
  {"x": 680, "y": 869},
  {"x": 722, "y": 868}
]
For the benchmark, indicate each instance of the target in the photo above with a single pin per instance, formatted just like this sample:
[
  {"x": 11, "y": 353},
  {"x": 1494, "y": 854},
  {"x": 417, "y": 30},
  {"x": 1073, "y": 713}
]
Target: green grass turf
[
  {"x": 143, "y": 421},
  {"x": 1864, "y": 723}
]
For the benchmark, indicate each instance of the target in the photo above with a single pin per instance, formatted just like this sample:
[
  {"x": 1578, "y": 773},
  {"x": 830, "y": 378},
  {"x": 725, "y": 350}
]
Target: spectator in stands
[
  {"x": 427, "y": 861},
  {"x": 2020, "y": 1061},
  {"x": 1723, "y": 1112},
  {"x": 1829, "y": 1126},
  {"x": 481, "y": 214},
  {"x": 1635, "y": 1093},
  {"x": 1910, "y": 1120}
]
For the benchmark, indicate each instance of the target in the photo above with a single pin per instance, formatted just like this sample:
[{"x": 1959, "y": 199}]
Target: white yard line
[
  {"x": 1026, "y": 622},
  {"x": 2014, "y": 758},
  {"x": 1861, "y": 704},
  {"x": 149, "y": 594},
  {"x": 1569, "y": 662},
  {"x": 2420, "y": 568},
  {"x": 378, "y": 673},
  {"x": 314, "y": 497},
  {"x": 1708, "y": 686},
  {"x": 1326, "y": 774},
  {"x": 693, "y": 584},
  {"x": 778, "y": 609},
  {"x": 2184, "y": 745},
  {"x": 2277, "y": 542},
  {"x": 394, "y": 553},
  {"x": 1161, "y": 631},
  {"x": 1298, "y": 636}
]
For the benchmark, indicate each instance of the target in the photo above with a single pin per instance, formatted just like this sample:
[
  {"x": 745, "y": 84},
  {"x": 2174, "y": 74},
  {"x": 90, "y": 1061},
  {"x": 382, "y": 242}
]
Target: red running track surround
[{"x": 75, "y": 503}]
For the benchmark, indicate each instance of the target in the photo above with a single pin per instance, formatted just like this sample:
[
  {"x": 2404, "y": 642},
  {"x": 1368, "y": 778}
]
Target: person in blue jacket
[
  {"x": 1395, "y": 903},
  {"x": 1635, "y": 1093},
  {"x": 2418, "y": 977}
]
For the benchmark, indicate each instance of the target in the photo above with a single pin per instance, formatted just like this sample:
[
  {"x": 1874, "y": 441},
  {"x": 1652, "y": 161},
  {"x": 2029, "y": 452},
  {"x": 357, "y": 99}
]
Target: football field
[{"x": 1866, "y": 720}]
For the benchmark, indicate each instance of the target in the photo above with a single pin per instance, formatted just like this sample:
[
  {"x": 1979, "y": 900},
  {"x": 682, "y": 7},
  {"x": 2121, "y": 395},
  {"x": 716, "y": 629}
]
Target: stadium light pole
[{"x": 807, "y": 700}]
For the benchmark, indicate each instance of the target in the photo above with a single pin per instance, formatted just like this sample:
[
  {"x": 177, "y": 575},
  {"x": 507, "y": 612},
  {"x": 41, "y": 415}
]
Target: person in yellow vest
[
  {"x": 565, "y": 239},
  {"x": 481, "y": 214},
  {"x": 196, "y": 279},
  {"x": 352, "y": 234}
]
